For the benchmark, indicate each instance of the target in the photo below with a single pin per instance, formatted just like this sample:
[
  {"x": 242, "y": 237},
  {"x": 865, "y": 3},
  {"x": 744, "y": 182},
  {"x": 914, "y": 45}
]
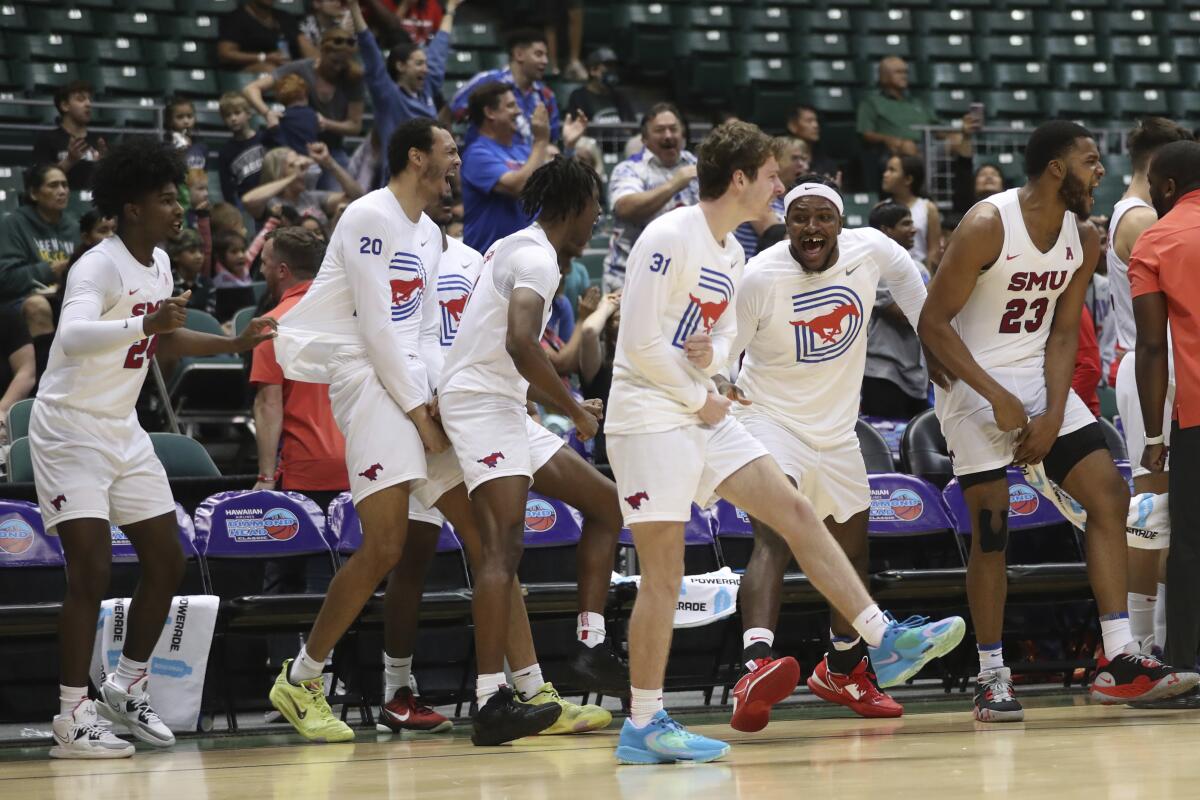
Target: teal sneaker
[
  {"x": 665, "y": 741},
  {"x": 909, "y": 645}
]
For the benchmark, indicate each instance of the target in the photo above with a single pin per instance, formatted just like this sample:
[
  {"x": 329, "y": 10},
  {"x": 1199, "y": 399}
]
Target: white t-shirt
[
  {"x": 805, "y": 333},
  {"x": 1006, "y": 320},
  {"x": 366, "y": 302},
  {"x": 100, "y": 356},
  {"x": 1118, "y": 277},
  {"x": 478, "y": 360},
  {"x": 458, "y": 270},
  {"x": 678, "y": 281}
]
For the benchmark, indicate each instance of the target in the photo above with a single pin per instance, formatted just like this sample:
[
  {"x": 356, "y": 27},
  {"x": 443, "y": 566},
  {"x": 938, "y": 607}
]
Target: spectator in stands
[
  {"x": 256, "y": 38},
  {"x": 297, "y": 127},
  {"x": 284, "y": 181},
  {"x": 527, "y": 61},
  {"x": 239, "y": 161},
  {"x": 71, "y": 146},
  {"x": 179, "y": 117},
  {"x": 805, "y": 125},
  {"x": 189, "y": 265},
  {"x": 648, "y": 185},
  {"x": 599, "y": 98},
  {"x": 971, "y": 184},
  {"x": 326, "y": 14},
  {"x": 989, "y": 180},
  {"x": 498, "y": 163},
  {"x": 37, "y": 239},
  {"x": 231, "y": 267},
  {"x": 896, "y": 381},
  {"x": 226, "y": 217},
  {"x": 904, "y": 181},
  {"x": 18, "y": 365},
  {"x": 335, "y": 91},
  {"x": 404, "y": 87}
]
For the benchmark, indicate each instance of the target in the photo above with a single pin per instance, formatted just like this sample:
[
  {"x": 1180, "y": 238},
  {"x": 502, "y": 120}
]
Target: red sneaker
[
  {"x": 769, "y": 681},
  {"x": 855, "y": 691},
  {"x": 1133, "y": 676},
  {"x": 406, "y": 712}
]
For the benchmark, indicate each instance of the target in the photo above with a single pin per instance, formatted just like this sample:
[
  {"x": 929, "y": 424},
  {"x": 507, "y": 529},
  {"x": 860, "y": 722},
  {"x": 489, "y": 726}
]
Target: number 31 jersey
[
  {"x": 1006, "y": 321},
  {"x": 108, "y": 277}
]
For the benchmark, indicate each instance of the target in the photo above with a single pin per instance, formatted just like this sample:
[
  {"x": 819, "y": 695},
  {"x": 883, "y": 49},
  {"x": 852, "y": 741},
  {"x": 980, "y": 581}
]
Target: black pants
[
  {"x": 882, "y": 398},
  {"x": 1183, "y": 562}
]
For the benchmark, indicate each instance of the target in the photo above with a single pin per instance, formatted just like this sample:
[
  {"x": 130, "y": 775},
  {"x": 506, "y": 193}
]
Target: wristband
[
  {"x": 266, "y": 479},
  {"x": 1160, "y": 439}
]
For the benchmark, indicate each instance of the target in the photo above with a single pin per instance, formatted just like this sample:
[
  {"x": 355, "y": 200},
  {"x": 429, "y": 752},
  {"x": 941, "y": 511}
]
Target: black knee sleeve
[{"x": 993, "y": 530}]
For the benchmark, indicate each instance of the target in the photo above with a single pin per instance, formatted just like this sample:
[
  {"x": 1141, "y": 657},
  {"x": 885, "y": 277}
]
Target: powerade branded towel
[{"x": 703, "y": 599}]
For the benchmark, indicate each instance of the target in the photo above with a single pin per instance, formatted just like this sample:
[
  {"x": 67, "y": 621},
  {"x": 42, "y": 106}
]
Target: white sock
[
  {"x": 396, "y": 672},
  {"x": 128, "y": 672},
  {"x": 1117, "y": 637},
  {"x": 528, "y": 681},
  {"x": 871, "y": 624},
  {"x": 755, "y": 635},
  {"x": 643, "y": 705},
  {"x": 1141, "y": 615},
  {"x": 69, "y": 697},
  {"x": 991, "y": 656},
  {"x": 487, "y": 685},
  {"x": 1160, "y": 617},
  {"x": 304, "y": 667},
  {"x": 589, "y": 628}
]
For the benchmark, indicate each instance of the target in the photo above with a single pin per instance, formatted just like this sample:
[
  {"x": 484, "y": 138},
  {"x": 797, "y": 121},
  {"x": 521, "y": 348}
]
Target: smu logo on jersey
[
  {"x": 453, "y": 293},
  {"x": 406, "y": 275},
  {"x": 1037, "y": 281},
  {"x": 827, "y": 321},
  {"x": 706, "y": 305}
]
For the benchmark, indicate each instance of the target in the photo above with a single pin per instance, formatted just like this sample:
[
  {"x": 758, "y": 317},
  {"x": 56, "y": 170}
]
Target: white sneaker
[
  {"x": 81, "y": 735},
  {"x": 132, "y": 709}
]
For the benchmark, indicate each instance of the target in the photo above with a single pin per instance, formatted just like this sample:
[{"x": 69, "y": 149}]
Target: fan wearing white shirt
[{"x": 672, "y": 441}]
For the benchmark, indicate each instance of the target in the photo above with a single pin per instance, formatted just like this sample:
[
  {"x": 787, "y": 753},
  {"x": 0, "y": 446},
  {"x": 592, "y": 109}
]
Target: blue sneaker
[
  {"x": 665, "y": 741},
  {"x": 909, "y": 645}
]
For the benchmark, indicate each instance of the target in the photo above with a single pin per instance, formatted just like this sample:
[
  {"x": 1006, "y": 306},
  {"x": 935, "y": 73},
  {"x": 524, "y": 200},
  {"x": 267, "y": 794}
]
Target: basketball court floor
[{"x": 1066, "y": 748}]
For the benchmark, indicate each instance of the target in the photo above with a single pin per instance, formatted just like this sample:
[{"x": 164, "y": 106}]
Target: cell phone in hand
[{"x": 976, "y": 112}]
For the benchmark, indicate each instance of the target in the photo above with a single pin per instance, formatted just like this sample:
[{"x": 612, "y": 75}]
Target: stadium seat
[
  {"x": 1185, "y": 104},
  {"x": 20, "y": 463},
  {"x": 125, "y": 574},
  {"x": 1185, "y": 49},
  {"x": 14, "y": 18},
  {"x": 1017, "y": 20},
  {"x": 833, "y": 100},
  {"x": 476, "y": 35},
  {"x": 116, "y": 50},
  {"x": 1129, "y": 104},
  {"x": 131, "y": 23},
  {"x": 1084, "y": 76},
  {"x": 1013, "y": 47},
  {"x": 829, "y": 20},
  {"x": 1030, "y": 75},
  {"x": 44, "y": 47},
  {"x": 216, "y": 7},
  {"x": 964, "y": 74},
  {"x": 192, "y": 26},
  {"x": 951, "y": 103},
  {"x": 70, "y": 20},
  {"x": 183, "y": 456},
  {"x": 1181, "y": 23},
  {"x": 826, "y": 45},
  {"x": 38, "y": 77},
  {"x": 1163, "y": 75},
  {"x": 711, "y": 42},
  {"x": 704, "y": 16},
  {"x": 875, "y": 451},
  {"x": 876, "y": 47},
  {"x": 1075, "y": 21},
  {"x": 182, "y": 53},
  {"x": 828, "y": 73},
  {"x": 948, "y": 47},
  {"x": 894, "y": 20},
  {"x": 122, "y": 79},
  {"x": 923, "y": 450},
  {"x": 1136, "y": 48},
  {"x": 769, "y": 18},
  {"x": 644, "y": 15},
  {"x": 955, "y": 20},
  {"x": 195, "y": 82},
  {"x": 1080, "y": 47},
  {"x": 465, "y": 63},
  {"x": 18, "y": 418},
  {"x": 1013, "y": 104},
  {"x": 1082, "y": 104},
  {"x": 1127, "y": 23},
  {"x": 759, "y": 44}
]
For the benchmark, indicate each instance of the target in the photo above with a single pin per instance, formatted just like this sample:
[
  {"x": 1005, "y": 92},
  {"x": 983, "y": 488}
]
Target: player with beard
[{"x": 1003, "y": 316}]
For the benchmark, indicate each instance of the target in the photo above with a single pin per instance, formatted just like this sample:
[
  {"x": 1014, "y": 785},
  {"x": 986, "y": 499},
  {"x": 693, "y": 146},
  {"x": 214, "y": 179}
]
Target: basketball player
[
  {"x": 1002, "y": 315},
  {"x": 457, "y": 271},
  {"x": 93, "y": 463},
  {"x": 495, "y": 363},
  {"x": 803, "y": 312},
  {"x": 672, "y": 442},
  {"x": 1133, "y": 214},
  {"x": 358, "y": 329}
]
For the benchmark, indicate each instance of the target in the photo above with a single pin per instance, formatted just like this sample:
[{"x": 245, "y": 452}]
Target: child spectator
[
  {"x": 240, "y": 159},
  {"x": 188, "y": 263},
  {"x": 298, "y": 126},
  {"x": 226, "y": 217},
  {"x": 180, "y": 120},
  {"x": 231, "y": 267}
]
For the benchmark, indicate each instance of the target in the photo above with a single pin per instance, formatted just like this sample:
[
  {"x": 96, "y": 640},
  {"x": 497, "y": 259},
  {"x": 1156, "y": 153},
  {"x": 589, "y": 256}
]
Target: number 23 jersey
[
  {"x": 110, "y": 279},
  {"x": 1006, "y": 320}
]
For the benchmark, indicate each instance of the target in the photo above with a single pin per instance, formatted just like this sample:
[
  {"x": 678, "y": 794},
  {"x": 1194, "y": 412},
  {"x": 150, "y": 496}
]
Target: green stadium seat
[
  {"x": 1127, "y": 23},
  {"x": 182, "y": 53},
  {"x": 1087, "y": 104},
  {"x": 839, "y": 72},
  {"x": 832, "y": 100},
  {"x": 1017, "y": 20},
  {"x": 464, "y": 63},
  {"x": 183, "y": 456},
  {"x": 14, "y": 18},
  {"x": 1184, "y": 48},
  {"x": 1085, "y": 76},
  {"x": 157, "y": 6},
  {"x": 1136, "y": 48},
  {"x": 1164, "y": 74},
  {"x": 648, "y": 49},
  {"x": 18, "y": 418},
  {"x": 1013, "y": 47},
  {"x": 145, "y": 116},
  {"x": 43, "y": 47},
  {"x": 1030, "y": 75},
  {"x": 644, "y": 15},
  {"x": 116, "y": 50},
  {"x": 191, "y": 82},
  {"x": 706, "y": 81},
  {"x": 1130, "y": 103},
  {"x": 1077, "y": 20},
  {"x": 1080, "y": 47},
  {"x": 123, "y": 79},
  {"x": 476, "y": 35},
  {"x": 1181, "y": 23},
  {"x": 214, "y": 7},
  {"x": 763, "y": 70},
  {"x": 192, "y": 26},
  {"x": 765, "y": 88},
  {"x": 836, "y": 20},
  {"x": 874, "y": 47},
  {"x": 961, "y": 74},
  {"x": 1184, "y": 103},
  {"x": 769, "y": 18},
  {"x": 951, "y": 103},
  {"x": 955, "y": 20},
  {"x": 826, "y": 45},
  {"x": 7, "y": 81},
  {"x": 700, "y": 15},
  {"x": 229, "y": 81},
  {"x": 132, "y": 23},
  {"x": 70, "y": 20},
  {"x": 20, "y": 461},
  {"x": 703, "y": 43},
  {"x": 1140, "y": 4},
  {"x": 1013, "y": 104},
  {"x": 764, "y": 43},
  {"x": 40, "y": 75},
  {"x": 208, "y": 115},
  {"x": 894, "y": 20},
  {"x": 858, "y": 208},
  {"x": 948, "y": 47}
]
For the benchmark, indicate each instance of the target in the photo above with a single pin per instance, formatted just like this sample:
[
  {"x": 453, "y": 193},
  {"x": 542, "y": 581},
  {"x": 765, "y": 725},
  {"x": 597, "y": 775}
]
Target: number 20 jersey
[
  {"x": 1006, "y": 321},
  {"x": 108, "y": 383}
]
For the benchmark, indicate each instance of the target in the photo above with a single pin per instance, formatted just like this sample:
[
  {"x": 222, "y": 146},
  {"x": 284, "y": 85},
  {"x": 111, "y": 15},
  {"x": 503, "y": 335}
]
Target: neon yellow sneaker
[
  {"x": 574, "y": 718},
  {"x": 307, "y": 709}
]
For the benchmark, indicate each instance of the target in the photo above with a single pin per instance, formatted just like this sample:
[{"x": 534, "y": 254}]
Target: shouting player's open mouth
[{"x": 813, "y": 253}]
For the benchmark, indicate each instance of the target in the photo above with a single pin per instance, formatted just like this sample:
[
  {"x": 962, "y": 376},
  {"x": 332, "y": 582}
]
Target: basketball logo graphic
[
  {"x": 827, "y": 321},
  {"x": 1022, "y": 500},
  {"x": 280, "y": 524},
  {"x": 118, "y": 536},
  {"x": 15, "y": 536},
  {"x": 906, "y": 505},
  {"x": 539, "y": 516}
]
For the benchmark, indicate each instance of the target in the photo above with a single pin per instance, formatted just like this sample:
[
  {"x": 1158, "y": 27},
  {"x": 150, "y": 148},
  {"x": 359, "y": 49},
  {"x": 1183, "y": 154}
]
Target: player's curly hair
[
  {"x": 559, "y": 189},
  {"x": 132, "y": 169}
]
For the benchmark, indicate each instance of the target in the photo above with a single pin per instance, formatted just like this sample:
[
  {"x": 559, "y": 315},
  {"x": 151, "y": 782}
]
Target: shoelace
[
  {"x": 420, "y": 705},
  {"x": 915, "y": 621},
  {"x": 1001, "y": 689},
  {"x": 316, "y": 690},
  {"x": 94, "y": 730},
  {"x": 671, "y": 725},
  {"x": 145, "y": 712}
]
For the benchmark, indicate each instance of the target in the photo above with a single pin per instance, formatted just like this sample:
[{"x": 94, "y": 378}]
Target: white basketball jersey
[
  {"x": 1118, "y": 277},
  {"x": 457, "y": 271},
  {"x": 108, "y": 383},
  {"x": 1006, "y": 320}
]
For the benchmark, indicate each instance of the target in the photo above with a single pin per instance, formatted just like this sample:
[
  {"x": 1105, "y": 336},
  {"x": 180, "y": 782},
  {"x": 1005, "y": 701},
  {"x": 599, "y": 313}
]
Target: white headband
[{"x": 814, "y": 190}]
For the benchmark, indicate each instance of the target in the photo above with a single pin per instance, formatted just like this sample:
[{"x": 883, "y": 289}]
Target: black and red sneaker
[
  {"x": 406, "y": 712},
  {"x": 1134, "y": 676},
  {"x": 767, "y": 681}
]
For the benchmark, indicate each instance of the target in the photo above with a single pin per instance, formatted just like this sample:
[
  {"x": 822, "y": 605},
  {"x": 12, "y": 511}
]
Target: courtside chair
[
  {"x": 20, "y": 463},
  {"x": 183, "y": 456},
  {"x": 18, "y": 418},
  {"x": 125, "y": 571},
  {"x": 208, "y": 388}
]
